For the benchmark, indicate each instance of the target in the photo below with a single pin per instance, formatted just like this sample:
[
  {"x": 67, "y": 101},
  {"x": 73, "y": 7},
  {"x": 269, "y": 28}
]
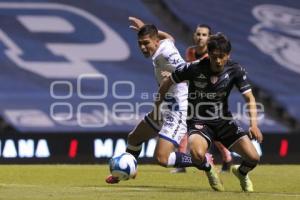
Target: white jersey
[{"x": 167, "y": 58}]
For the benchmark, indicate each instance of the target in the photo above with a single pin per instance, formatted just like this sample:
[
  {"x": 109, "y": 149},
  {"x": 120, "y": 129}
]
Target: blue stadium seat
[
  {"x": 25, "y": 79},
  {"x": 265, "y": 37},
  {"x": 94, "y": 38}
]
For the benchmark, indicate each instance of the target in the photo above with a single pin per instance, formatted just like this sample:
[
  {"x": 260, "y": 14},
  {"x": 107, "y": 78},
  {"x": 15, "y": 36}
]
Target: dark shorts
[{"x": 225, "y": 131}]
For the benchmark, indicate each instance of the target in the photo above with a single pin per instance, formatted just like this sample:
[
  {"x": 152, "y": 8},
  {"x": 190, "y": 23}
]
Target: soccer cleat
[
  {"x": 214, "y": 180},
  {"x": 134, "y": 176},
  {"x": 112, "y": 180},
  {"x": 245, "y": 181},
  {"x": 178, "y": 170}
]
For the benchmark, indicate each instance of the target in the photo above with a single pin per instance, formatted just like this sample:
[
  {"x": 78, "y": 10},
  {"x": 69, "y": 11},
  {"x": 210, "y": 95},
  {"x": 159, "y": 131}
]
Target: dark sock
[
  {"x": 183, "y": 160},
  {"x": 246, "y": 167},
  {"x": 134, "y": 153},
  {"x": 226, "y": 166},
  {"x": 204, "y": 165}
]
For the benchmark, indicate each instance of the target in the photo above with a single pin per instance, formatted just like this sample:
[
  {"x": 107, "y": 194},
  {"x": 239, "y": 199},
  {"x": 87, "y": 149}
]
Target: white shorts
[{"x": 172, "y": 127}]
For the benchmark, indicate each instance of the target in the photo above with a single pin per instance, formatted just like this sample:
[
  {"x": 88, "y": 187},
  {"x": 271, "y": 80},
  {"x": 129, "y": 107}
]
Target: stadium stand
[
  {"x": 89, "y": 38},
  {"x": 266, "y": 44},
  {"x": 84, "y": 38}
]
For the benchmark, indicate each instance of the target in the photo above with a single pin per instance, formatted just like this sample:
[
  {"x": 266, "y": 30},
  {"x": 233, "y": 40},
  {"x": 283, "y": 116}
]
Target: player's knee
[
  {"x": 254, "y": 158},
  {"x": 198, "y": 154},
  {"x": 162, "y": 159}
]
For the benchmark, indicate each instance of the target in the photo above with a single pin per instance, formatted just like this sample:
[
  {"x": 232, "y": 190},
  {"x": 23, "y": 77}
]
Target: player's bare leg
[
  {"x": 226, "y": 156},
  {"x": 162, "y": 152},
  {"x": 167, "y": 157},
  {"x": 141, "y": 133},
  {"x": 198, "y": 147}
]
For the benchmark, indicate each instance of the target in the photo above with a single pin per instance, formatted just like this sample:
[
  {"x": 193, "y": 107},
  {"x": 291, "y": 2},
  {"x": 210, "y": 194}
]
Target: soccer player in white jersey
[{"x": 160, "y": 47}]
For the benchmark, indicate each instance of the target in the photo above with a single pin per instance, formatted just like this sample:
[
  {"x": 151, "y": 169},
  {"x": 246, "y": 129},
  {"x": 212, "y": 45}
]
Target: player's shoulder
[
  {"x": 235, "y": 65},
  {"x": 167, "y": 47},
  {"x": 199, "y": 64},
  {"x": 166, "y": 44},
  {"x": 190, "y": 53},
  {"x": 204, "y": 62}
]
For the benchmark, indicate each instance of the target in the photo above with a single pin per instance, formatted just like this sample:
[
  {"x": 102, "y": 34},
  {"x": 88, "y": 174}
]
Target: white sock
[{"x": 171, "y": 159}]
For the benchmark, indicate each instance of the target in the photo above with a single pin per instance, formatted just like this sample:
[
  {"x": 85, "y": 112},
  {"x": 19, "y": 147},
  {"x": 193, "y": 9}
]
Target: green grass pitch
[{"x": 84, "y": 182}]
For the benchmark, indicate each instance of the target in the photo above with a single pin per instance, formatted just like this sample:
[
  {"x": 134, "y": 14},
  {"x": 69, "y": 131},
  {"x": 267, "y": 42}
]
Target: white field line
[{"x": 141, "y": 189}]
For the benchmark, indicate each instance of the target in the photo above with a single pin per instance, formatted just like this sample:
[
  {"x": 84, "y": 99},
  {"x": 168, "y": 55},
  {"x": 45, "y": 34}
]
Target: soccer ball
[{"x": 123, "y": 166}]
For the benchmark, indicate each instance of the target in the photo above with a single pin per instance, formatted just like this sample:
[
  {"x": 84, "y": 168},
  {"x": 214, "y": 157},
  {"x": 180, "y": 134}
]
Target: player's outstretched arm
[
  {"x": 254, "y": 131},
  {"x": 136, "y": 24}
]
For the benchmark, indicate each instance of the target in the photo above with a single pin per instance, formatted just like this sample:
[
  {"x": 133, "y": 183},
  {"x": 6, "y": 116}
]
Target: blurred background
[{"x": 73, "y": 82}]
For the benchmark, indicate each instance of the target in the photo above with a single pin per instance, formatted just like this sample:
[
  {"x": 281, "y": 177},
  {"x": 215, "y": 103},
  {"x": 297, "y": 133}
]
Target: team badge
[
  {"x": 202, "y": 76},
  {"x": 198, "y": 126},
  {"x": 214, "y": 79}
]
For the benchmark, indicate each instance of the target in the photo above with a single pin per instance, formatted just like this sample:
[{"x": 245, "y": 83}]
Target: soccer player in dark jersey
[
  {"x": 210, "y": 83},
  {"x": 193, "y": 53}
]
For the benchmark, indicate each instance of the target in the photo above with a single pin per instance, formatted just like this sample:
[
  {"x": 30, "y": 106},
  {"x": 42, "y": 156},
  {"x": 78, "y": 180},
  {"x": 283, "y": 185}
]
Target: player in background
[
  {"x": 160, "y": 47},
  {"x": 210, "y": 83},
  {"x": 199, "y": 49},
  {"x": 193, "y": 53}
]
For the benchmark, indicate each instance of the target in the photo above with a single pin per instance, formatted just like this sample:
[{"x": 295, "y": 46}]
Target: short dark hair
[
  {"x": 210, "y": 32},
  {"x": 219, "y": 42},
  {"x": 148, "y": 29}
]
